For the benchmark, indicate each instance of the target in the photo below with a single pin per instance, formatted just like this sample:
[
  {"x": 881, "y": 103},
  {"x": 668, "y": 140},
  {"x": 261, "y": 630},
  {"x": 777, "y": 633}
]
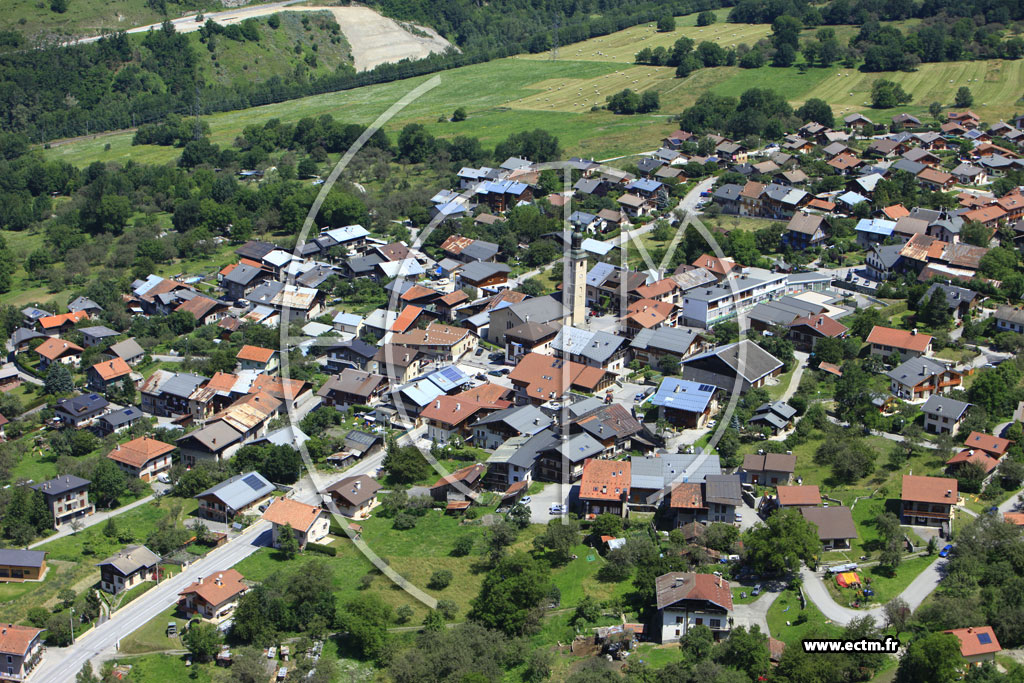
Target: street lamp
[{"x": 71, "y": 620}]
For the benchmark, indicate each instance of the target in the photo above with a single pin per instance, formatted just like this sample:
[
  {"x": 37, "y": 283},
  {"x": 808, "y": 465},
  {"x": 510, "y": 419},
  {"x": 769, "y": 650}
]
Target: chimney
[
  {"x": 949, "y": 493},
  {"x": 913, "y": 332},
  {"x": 437, "y": 405},
  {"x": 200, "y": 581},
  {"x": 359, "y": 484}
]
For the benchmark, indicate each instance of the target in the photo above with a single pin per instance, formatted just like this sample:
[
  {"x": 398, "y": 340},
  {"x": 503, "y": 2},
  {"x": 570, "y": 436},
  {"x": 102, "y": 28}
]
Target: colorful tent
[{"x": 847, "y": 579}]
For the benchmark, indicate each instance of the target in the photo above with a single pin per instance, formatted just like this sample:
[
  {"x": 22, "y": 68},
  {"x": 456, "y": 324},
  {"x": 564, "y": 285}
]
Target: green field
[{"x": 91, "y": 17}]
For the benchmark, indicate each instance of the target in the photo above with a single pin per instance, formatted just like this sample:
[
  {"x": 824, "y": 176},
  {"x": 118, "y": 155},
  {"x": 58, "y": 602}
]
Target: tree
[
  {"x": 459, "y": 114},
  {"x": 287, "y": 543},
  {"x": 202, "y": 639},
  {"x": 510, "y": 595},
  {"x": 86, "y": 675},
  {"x": 781, "y": 542},
  {"x": 58, "y": 630},
  {"x": 405, "y": 464},
  {"x": 897, "y": 613},
  {"x": 746, "y": 650},
  {"x": 935, "y": 109},
  {"x": 697, "y": 643},
  {"x": 463, "y": 546},
  {"x": 964, "y": 98},
  {"x": 721, "y": 536},
  {"x": 817, "y": 110},
  {"x": 649, "y": 101},
  {"x": 58, "y": 380},
  {"x": 587, "y": 612},
  {"x": 706, "y": 18},
  {"x": 433, "y": 622},
  {"x": 666, "y": 23},
  {"x": 624, "y": 102},
  {"x": 558, "y": 538},
  {"x": 519, "y": 516},
  {"x": 606, "y": 524},
  {"x": 415, "y": 143},
  {"x": 440, "y": 579},
  {"x": 499, "y": 537},
  {"x": 932, "y": 658},
  {"x": 853, "y": 391},
  {"x": 886, "y": 94},
  {"x": 366, "y": 619},
  {"x": 66, "y": 597},
  {"x": 108, "y": 483}
]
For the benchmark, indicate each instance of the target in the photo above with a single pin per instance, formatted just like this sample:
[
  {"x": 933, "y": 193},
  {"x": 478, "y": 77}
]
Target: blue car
[{"x": 945, "y": 550}]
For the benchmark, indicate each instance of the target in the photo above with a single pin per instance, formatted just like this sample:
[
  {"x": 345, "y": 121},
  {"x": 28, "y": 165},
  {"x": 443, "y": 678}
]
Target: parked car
[
  {"x": 756, "y": 591},
  {"x": 556, "y": 509},
  {"x": 525, "y": 500},
  {"x": 163, "y": 478},
  {"x": 945, "y": 550}
]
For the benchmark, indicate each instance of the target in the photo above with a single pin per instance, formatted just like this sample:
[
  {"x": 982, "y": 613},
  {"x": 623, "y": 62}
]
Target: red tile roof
[
  {"x": 976, "y": 456},
  {"x": 546, "y": 377},
  {"x": 256, "y": 354},
  {"x": 55, "y": 347},
  {"x": 929, "y": 489},
  {"x": 831, "y": 368},
  {"x": 899, "y": 339},
  {"x": 138, "y": 452},
  {"x": 406, "y": 318},
  {"x": 288, "y": 511},
  {"x": 799, "y": 495},
  {"x": 649, "y": 312},
  {"x": 471, "y": 474},
  {"x": 987, "y": 442},
  {"x": 718, "y": 266},
  {"x": 676, "y": 586},
  {"x": 895, "y": 212},
  {"x": 822, "y": 324},
  {"x": 53, "y": 321},
  {"x": 16, "y": 640},
  {"x": 219, "y": 588},
  {"x": 686, "y": 496},
  {"x": 112, "y": 369},
  {"x": 605, "y": 480},
  {"x": 979, "y": 640}
]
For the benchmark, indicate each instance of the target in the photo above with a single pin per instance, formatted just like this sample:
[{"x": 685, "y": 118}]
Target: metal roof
[
  {"x": 682, "y": 394},
  {"x": 240, "y": 490}
]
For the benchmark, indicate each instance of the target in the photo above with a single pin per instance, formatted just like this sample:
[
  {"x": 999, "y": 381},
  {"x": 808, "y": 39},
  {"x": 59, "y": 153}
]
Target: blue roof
[
  {"x": 852, "y": 198},
  {"x": 421, "y": 392},
  {"x": 451, "y": 208},
  {"x": 582, "y": 217},
  {"x": 876, "y": 226},
  {"x": 448, "y": 378},
  {"x": 644, "y": 184},
  {"x": 683, "y": 394}
]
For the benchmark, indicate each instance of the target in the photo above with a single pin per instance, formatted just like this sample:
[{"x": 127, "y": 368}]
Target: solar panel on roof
[
  {"x": 128, "y": 411},
  {"x": 984, "y": 639},
  {"x": 451, "y": 373},
  {"x": 707, "y": 387},
  {"x": 253, "y": 482},
  {"x": 93, "y": 396}
]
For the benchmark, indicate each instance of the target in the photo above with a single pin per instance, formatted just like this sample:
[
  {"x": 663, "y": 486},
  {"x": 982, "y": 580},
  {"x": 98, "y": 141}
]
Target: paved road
[
  {"x": 794, "y": 381},
  {"x": 93, "y": 520},
  {"x": 687, "y": 204},
  {"x": 913, "y": 595},
  {"x": 755, "y": 612}
]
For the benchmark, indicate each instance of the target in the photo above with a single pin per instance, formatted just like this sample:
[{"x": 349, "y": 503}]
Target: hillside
[{"x": 42, "y": 18}]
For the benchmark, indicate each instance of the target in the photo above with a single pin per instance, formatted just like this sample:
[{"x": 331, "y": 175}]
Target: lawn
[
  {"x": 37, "y": 464},
  {"x": 791, "y": 625},
  {"x": 886, "y": 587},
  {"x": 956, "y": 355},
  {"x": 152, "y": 637},
  {"x": 169, "y": 669},
  {"x": 775, "y": 391},
  {"x": 658, "y": 656}
]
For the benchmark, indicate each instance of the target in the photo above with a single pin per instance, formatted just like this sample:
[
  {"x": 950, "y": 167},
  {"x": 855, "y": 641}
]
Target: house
[
  {"x": 928, "y": 501},
  {"x": 96, "y": 335},
  {"x": 495, "y": 429},
  {"x": 242, "y": 280},
  {"x": 22, "y": 565},
  {"x": 354, "y": 353},
  {"x": 131, "y": 566},
  {"x": 959, "y": 300},
  {"x": 205, "y": 310},
  {"x": 653, "y": 346},
  {"x": 80, "y": 411},
  {"x": 707, "y": 306},
  {"x": 448, "y": 417},
  {"x": 933, "y": 179},
  {"x": 767, "y": 469},
  {"x": 106, "y": 374},
  {"x": 613, "y": 426},
  {"x": 835, "y": 525},
  {"x": 67, "y": 497},
  {"x": 353, "y": 387},
  {"x": 355, "y": 496},
  {"x": 883, "y": 261},
  {"x": 807, "y": 330},
  {"x": 242, "y": 494},
  {"x": 741, "y": 365},
  {"x": 483, "y": 276},
  {"x": 798, "y": 496},
  {"x": 460, "y": 484},
  {"x": 21, "y": 648},
  {"x": 528, "y": 338},
  {"x": 885, "y": 341},
  {"x": 86, "y": 304},
  {"x": 143, "y": 458},
  {"x": 646, "y": 314},
  {"x": 686, "y": 599},
  {"x": 604, "y": 487},
  {"x": 59, "y": 324},
  {"x": 213, "y": 597},
  {"x": 538, "y": 379},
  {"x": 309, "y": 523},
  {"x": 906, "y": 120},
  {"x": 166, "y": 393},
  {"x": 714, "y": 500},
  {"x": 128, "y": 350},
  {"x": 774, "y": 417},
  {"x": 597, "y": 349},
  {"x": 993, "y": 446},
  {"x": 1009, "y": 319},
  {"x": 978, "y": 644},
  {"x": 804, "y": 230},
  {"x": 117, "y": 421},
  {"x": 397, "y": 363},
  {"x": 969, "y": 174},
  {"x": 216, "y": 441},
  {"x": 56, "y": 350},
  {"x": 257, "y": 358},
  {"x": 438, "y": 341},
  {"x": 918, "y": 378},
  {"x": 858, "y": 121}
]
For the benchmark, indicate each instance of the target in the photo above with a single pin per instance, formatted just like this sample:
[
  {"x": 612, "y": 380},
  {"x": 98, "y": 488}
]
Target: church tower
[{"x": 577, "y": 284}]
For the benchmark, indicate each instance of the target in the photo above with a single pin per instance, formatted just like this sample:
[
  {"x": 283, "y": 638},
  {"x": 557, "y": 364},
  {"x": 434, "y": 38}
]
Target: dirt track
[{"x": 375, "y": 39}]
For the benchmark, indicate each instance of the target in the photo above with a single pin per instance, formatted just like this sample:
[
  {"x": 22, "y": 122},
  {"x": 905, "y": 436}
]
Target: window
[
  {"x": 716, "y": 623},
  {"x": 699, "y": 621}
]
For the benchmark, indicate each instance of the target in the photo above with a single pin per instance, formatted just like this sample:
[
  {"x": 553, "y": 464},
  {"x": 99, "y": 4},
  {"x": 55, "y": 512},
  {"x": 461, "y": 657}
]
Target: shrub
[
  {"x": 322, "y": 549},
  {"x": 440, "y": 579}
]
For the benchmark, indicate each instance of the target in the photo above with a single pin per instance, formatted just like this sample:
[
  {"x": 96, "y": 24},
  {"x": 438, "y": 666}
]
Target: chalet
[
  {"x": 216, "y": 441},
  {"x": 57, "y": 350},
  {"x": 594, "y": 348},
  {"x": 768, "y": 469},
  {"x": 22, "y": 565},
  {"x": 562, "y": 460},
  {"x": 635, "y": 206},
  {"x": 309, "y": 523},
  {"x": 858, "y": 121},
  {"x": 483, "y": 276},
  {"x": 117, "y": 421},
  {"x": 205, "y": 310},
  {"x": 936, "y": 180},
  {"x": 943, "y": 415},
  {"x": 108, "y": 373},
  {"x": 928, "y": 501},
  {"x": 714, "y": 500},
  {"x": 448, "y": 417},
  {"x": 604, "y": 487},
  {"x": 906, "y": 121},
  {"x": 96, "y": 335},
  {"x": 353, "y": 387},
  {"x": 775, "y": 416},
  {"x": 355, "y": 496},
  {"x": 798, "y": 496},
  {"x": 128, "y": 350},
  {"x": 242, "y": 280},
  {"x": 743, "y": 365},
  {"x": 804, "y": 230},
  {"x": 459, "y": 485},
  {"x": 959, "y": 300},
  {"x": 538, "y": 379},
  {"x": 67, "y": 498},
  {"x": 919, "y": 377},
  {"x": 528, "y": 338},
  {"x": 993, "y": 446},
  {"x": 1009, "y": 319},
  {"x": 652, "y": 346},
  {"x": 686, "y": 599},
  {"x": 968, "y": 174},
  {"x": 131, "y": 566},
  {"x": 80, "y": 411},
  {"x": 978, "y": 644},
  {"x": 908, "y": 344},
  {"x": 59, "y": 324},
  {"x": 490, "y": 431},
  {"x": 807, "y": 330},
  {"x": 257, "y": 358},
  {"x": 834, "y": 524},
  {"x": 685, "y": 404},
  {"x": 213, "y": 597},
  {"x": 614, "y": 427},
  {"x": 143, "y": 458},
  {"x": 22, "y": 649},
  {"x": 438, "y": 341},
  {"x": 242, "y": 494}
]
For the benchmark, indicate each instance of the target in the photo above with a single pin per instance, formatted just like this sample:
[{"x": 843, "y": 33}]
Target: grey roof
[
  {"x": 240, "y": 490},
  {"x": 728, "y": 192},
  {"x": 888, "y": 255},
  {"x": 83, "y": 303},
  {"x": 79, "y": 406},
  {"x": 781, "y": 409},
  {"x": 646, "y": 472},
  {"x": 596, "y": 346},
  {"x": 362, "y": 440},
  {"x": 946, "y": 407},
  {"x": 131, "y": 559},
  {"x": 954, "y": 295},
  {"x": 525, "y": 419},
  {"x": 584, "y": 406},
  {"x": 181, "y": 384},
  {"x": 121, "y": 417},
  {"x": 520, "y": 451},
  {"x": 575, "y": 448},
  {"x": 364, "y": 264},
  {"x": 98, "y": 331},
  {"x": 588, "y": 185},
  {"x": 60, "y": 485},
  {"x": 285, "y": 436},
  {"x": 23, "y": 334},
  {"x": 1010, "y": 314},
  {"x": 129, "y": 348},
  {"x": 723, "y": 489},
  {"x": 266, "y": 292},
  {"x": 243, "y": 274},
  {"x": 783, "y": 311},
  {"x": 480, "y": 250},
  {"x": 912, "y": 371},
  {"x": 675, "y": 340},
  {"x": 832, "y": 522},
  {"x": 541, "y": 309},
  {"x": 532, "y": 331},
  {"x": 599, "y": 273},
  {"x": 967, "y": 170},
  {"x": 214, "y": 436},
  {"x": 908, "y": 165},
  {"x": 481, "y": 270},
  {"x": 757, "y": 362},
  {"x": 16, "y": 557},
  {"x": 665, "y": 469}
]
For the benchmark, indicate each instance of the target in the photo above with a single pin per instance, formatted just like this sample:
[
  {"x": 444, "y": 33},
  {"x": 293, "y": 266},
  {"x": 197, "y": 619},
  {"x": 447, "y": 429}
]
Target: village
[{"x": 850, "y": 302}]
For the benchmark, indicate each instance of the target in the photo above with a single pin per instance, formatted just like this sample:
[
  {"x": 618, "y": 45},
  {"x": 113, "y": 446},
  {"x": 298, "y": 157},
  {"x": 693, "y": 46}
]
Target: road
[
  {"x": 794, "y": 381},
  {"x": 919, "y": 589},
  {"x": 687, "y": 204}
]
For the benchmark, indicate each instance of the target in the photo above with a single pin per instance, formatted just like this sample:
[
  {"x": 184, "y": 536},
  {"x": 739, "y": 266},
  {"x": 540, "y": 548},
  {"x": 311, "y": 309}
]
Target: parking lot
[{"x": 541, "y": 503}]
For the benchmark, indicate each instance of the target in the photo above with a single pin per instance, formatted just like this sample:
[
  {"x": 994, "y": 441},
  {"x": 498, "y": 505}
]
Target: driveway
[
  {"x": 756, "y": 613},
  {"x": 541, "y": 502}
]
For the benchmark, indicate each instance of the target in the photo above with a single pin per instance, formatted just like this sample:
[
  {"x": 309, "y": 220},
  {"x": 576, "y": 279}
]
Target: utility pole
[
  {"x": 71, "y": 620},
  {"x": 554, "y": 45}
]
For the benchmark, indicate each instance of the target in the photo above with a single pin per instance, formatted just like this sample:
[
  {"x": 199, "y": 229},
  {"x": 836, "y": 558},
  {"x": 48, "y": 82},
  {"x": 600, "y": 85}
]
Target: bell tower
[{"x": 577, "y": 282}]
